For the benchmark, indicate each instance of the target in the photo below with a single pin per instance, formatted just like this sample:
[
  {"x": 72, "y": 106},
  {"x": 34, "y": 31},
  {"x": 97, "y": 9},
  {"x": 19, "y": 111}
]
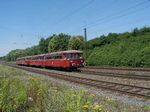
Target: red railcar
[
  {"x": 63, "y": 59},
  {"x": 37, "y": 60},
  {"x": 21, "y": 61}
]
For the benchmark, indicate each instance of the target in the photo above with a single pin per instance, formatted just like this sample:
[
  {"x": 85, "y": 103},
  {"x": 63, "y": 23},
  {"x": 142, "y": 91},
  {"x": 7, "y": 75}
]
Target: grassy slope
[{"x": 128, "y": 51}]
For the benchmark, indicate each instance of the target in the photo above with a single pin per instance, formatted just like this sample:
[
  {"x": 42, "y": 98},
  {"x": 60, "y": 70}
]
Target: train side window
[
  {"x": 38, "y": 58},
  {"x": 42, "y": 58},
  {"x": 56, "y": 56},
  {"x": 59, "y": 57},
  {"x": 49, "y": 57},
  {"x": 53, "y": 56},
  {"x": 34, "y": 58}
]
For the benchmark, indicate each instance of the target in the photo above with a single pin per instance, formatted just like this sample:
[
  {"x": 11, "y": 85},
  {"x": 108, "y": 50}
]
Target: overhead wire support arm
[{"x": 85, "y": 42}]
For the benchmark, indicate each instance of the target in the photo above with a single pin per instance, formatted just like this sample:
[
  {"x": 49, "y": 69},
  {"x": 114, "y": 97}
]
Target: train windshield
[{"x": 73, "y": 55}]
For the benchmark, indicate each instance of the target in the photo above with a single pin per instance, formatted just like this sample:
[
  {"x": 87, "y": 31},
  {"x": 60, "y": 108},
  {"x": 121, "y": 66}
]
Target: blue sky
[{"x": 24, "y": 22}]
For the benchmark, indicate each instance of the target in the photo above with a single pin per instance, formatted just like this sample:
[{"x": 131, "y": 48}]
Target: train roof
[
  {"x": 31, "y": 56},
  {"x": 67, "y": 51},
  {"x": 72, "y": 51},
  {"x": 39, "y": 55}
]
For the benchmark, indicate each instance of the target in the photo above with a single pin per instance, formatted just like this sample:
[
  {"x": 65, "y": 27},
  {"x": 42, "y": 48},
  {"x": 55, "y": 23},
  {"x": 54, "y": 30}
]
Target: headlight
[{"x": 73, "y": 64}]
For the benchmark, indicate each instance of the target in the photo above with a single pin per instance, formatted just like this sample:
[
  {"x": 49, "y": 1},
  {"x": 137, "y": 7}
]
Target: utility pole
[
  {"x": 85, "y": 34},
  {"x": 85, "y": 42}
]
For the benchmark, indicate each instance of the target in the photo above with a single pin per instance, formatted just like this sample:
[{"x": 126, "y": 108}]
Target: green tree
[
  {"x": 42, "y": 45},
  {"x": 58, "y": 42},
  {"x": 34, "y": 50},
  {"x": 53, "y": 44},
  {"x": 76, "y": 43},
  {"x": 11, "y": 56},
  {"x": 135, "y": 32}
]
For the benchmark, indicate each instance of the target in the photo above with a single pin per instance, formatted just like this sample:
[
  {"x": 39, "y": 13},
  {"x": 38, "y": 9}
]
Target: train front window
[{"x": 73, "y": 55}]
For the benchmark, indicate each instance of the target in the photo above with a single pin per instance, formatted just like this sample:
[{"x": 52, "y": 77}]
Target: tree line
[{"x": 115, "y": 49}]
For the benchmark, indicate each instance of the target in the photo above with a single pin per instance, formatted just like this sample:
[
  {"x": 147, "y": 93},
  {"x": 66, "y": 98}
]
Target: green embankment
[{"x": 131, "y": 51}]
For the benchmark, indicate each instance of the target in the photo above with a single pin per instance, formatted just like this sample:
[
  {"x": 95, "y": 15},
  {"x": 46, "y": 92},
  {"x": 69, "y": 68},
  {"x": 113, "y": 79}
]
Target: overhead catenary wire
[
  {"x": 119, "y": 26},
  {"x": 116, "y": 14},
  {"x": 118, "y": 17}
]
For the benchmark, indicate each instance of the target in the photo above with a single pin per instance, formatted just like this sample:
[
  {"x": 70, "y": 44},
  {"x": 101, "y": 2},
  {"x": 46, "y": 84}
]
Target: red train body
[{"x": 64, "y": 59}]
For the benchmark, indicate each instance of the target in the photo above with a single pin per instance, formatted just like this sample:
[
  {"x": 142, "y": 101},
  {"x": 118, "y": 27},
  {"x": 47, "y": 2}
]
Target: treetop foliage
[{"x": 59, "y": 42}]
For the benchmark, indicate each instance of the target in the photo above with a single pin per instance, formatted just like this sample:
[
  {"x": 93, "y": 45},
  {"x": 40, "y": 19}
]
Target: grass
[{"x": 21, "y": 92}]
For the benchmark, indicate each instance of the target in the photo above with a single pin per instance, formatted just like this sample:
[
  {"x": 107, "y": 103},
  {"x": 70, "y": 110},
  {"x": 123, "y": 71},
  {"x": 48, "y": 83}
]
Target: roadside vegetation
[
  {"x": 21, "y": 92},
  {"x": 131, "y": 49}
]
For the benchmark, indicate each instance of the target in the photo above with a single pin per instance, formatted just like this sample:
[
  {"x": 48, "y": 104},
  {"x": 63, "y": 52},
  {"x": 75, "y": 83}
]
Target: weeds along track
[
  {"x": 141, "y": 92},
  {"x": 119, "y": 74}
]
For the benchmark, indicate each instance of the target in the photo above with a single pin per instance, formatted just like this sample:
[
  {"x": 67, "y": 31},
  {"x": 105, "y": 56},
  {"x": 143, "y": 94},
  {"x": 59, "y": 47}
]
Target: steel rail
[
  {"x": 119, "y": 68},
  {"x": 119, "y": 75}
]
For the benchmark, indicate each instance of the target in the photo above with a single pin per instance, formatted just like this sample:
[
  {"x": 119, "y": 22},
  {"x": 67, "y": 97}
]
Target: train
[{"x": 70, "y": 59}]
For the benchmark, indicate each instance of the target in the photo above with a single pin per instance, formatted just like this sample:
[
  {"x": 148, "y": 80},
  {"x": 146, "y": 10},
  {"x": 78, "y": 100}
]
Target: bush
[{"x": 133, "y": 51}]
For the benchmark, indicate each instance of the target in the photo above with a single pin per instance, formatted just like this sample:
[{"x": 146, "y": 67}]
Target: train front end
[{"x": 74, "y": 59}]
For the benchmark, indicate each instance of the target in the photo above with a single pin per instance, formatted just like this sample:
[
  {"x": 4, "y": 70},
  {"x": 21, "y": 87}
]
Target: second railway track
[
  {"x": 119, "y": 75},
  {"x": 119, "y": 68},
  {"x": 138, "y": 91}
]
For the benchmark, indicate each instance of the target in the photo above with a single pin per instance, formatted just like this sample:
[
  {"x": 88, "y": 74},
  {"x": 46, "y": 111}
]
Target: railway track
[
  {"x": 119, "y": 68},
  {"x": 142, "y": 92},
  {"x": 119, "y": 75}
]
